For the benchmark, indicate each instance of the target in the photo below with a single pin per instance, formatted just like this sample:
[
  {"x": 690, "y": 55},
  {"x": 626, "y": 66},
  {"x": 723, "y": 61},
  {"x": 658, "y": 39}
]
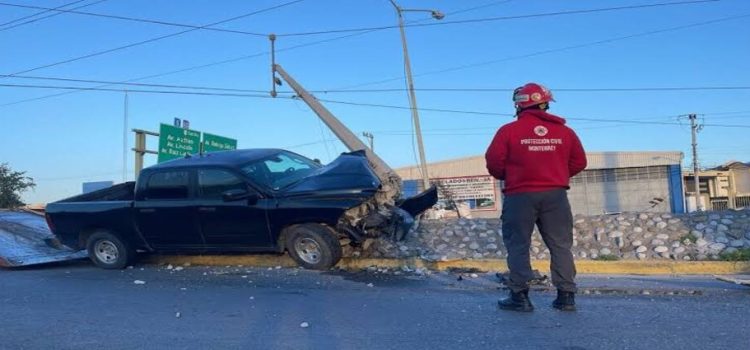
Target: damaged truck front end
[
  {"x": 377, "y": 219},
  {"x": 377, "y": 211}
]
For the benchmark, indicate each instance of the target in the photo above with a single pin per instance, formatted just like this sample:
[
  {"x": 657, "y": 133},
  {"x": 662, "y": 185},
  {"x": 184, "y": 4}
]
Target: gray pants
[{"x": 550, "y": 211}]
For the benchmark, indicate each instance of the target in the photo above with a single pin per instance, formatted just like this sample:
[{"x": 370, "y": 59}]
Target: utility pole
[
  {"x": 125, "y": 139},
  {"x": 370, "y": 137},
  {"x": 694, "y": 128},
  {"x": 410, "y": 86}
]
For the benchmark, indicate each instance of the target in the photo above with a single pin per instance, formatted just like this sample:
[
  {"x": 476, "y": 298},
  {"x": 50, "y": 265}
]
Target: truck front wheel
[
  {"x": 108, "y": 251},
  {"x": 313, "y": 246}
]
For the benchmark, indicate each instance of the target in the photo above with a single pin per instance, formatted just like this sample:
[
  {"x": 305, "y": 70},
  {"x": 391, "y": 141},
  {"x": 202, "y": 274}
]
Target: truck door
[
  {"x": 241, "y": 222},
  {"x": 164, "y": 210}
]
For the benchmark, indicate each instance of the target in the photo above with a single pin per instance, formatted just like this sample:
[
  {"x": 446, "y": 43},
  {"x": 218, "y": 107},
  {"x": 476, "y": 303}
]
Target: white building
[{"x": 612, "y": 182}]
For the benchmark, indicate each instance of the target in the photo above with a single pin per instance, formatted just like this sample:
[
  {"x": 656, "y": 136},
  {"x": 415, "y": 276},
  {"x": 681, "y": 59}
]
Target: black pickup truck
[{"x": 254, "y": 200}]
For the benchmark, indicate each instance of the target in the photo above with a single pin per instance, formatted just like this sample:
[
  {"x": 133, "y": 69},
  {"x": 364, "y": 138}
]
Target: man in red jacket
[{"x": 536, "y": 156}]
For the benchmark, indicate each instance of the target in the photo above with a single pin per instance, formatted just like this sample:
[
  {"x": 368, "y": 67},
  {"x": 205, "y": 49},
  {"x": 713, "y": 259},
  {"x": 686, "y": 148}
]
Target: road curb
[{"x": 583, "y": 266}]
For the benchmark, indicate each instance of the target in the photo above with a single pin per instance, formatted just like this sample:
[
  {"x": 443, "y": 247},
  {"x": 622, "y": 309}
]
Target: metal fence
[
  {"x": 719, "y": 204},
  {"x": 742, "y": 202},
  {"x": 725, "y": 203}
]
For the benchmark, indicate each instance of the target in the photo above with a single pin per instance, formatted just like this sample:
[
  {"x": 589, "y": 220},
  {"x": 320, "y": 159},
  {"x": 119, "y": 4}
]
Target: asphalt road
[{"x": 76, "y": 306}]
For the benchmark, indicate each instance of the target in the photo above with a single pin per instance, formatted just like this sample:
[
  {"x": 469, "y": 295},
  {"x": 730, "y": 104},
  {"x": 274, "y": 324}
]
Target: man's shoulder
[{"x": 510, "y": 125}]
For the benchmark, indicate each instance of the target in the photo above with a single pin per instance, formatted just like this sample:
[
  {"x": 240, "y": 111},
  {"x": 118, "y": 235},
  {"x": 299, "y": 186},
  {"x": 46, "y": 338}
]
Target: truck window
[
  {"x": 168, "y": 185},
  {"x": 280, "y": 170},
  {"x": 213, "y": 182}
]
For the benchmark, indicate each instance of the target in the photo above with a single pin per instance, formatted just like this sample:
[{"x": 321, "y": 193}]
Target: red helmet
[{"x": 531, "y": 94}]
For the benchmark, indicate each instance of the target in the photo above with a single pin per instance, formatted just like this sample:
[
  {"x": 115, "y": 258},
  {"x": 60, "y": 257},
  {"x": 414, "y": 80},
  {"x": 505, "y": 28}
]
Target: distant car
[{"x": 258, "y": 200}]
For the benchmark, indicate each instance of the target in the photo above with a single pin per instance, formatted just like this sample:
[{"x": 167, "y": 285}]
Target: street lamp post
[{"x": 410, "y": 85}]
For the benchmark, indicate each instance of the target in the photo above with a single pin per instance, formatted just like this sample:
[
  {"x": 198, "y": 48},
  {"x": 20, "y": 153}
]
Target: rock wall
[{"x": 699, "y": 236}]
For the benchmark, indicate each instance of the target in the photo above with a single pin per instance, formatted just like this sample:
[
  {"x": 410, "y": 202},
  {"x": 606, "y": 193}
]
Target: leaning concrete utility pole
[
  {"x": 347, "y": 137},
  {"x": 694, "y": 128},
  {"x": 390, "y": 181},
  {"x": 410, "y": 85}
]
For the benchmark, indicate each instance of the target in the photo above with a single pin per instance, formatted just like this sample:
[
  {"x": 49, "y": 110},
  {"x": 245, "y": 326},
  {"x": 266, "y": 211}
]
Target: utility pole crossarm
[{"x": 350, "y": 140}]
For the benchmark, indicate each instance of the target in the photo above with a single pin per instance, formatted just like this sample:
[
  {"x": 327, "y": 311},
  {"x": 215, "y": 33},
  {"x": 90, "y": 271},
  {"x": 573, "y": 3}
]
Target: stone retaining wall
[{"x": 699, "y": 236}]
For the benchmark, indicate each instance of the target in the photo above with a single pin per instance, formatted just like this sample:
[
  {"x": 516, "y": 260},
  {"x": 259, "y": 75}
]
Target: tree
[{"x": 12, "y": 184}]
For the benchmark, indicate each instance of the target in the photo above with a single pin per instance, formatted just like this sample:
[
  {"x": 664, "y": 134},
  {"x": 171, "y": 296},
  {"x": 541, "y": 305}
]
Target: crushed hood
[{"x": 350, "y": 171}]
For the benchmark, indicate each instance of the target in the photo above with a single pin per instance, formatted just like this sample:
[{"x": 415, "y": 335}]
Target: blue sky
[{"x": 66, "y": 140}]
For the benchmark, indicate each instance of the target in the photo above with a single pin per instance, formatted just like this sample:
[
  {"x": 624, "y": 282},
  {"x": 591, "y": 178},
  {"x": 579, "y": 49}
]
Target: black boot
[
  {"x": 566, "y": 301},
  {"x": 516, "y": 302}
]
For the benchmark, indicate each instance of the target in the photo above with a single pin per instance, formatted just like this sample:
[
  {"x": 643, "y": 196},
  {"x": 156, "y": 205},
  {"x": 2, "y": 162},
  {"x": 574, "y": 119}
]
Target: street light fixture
[{"x": 410, "y": 82}]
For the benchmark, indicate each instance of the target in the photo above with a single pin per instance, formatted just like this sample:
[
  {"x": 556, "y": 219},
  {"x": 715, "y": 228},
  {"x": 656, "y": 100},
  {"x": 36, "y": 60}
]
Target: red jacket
[{"x": 535, "y": 153}]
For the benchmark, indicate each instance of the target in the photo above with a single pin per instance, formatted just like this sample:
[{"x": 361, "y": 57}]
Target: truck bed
[
  {"x": 120, "y": 192},
  {"x": 109, "y": 208}
]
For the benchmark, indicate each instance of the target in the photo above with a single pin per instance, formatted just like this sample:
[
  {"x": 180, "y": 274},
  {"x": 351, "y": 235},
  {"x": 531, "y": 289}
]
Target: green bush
[{"x": 739, "y": 255}]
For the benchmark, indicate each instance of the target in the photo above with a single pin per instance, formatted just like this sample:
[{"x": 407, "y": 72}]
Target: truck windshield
[{"x": 280, "y": 170}]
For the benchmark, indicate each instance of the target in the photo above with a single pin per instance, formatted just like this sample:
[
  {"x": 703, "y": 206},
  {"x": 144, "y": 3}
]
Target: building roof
[
  {"x": 732, "y": 164},
  {"x": 475, "y": 165}
]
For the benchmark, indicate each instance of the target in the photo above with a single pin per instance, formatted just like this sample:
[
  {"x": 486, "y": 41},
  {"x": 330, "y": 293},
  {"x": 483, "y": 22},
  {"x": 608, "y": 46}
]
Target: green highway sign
[
  {"x": 213, "y": 143},
  {"x": 176, "y": 142}
]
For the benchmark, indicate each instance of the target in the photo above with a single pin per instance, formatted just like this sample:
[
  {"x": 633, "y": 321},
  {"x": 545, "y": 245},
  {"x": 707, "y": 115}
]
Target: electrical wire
[
  {"x": 109, "y": 83},
  {"x": 236, "y": 59},
  {"x": 131, "y": 19},
  {"x": 198, "y": 93},
  {"x": 39, "y": 13},
  {"x": 555, "y": 50},
  {"x": 634, "y": 89},
  {"x": 625, "y": 121},
  {"x": 99, "y": 53},
  {"x": 501, "y": 18},
  {"x": 50, "y": 15},
  {"x": 160, "y": 22},
  {"x": 350, "y": 103}
]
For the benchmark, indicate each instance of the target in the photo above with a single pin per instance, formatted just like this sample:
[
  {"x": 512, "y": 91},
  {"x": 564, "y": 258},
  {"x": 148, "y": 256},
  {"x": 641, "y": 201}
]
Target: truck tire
[
  {"x": 108, "y": 251},
  {"x": 313, "y": 246}
]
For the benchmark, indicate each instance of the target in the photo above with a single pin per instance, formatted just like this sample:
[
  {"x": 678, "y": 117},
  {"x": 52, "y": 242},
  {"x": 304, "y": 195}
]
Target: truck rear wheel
[
  {"x": 313, "y": 246},
  {"x": 108, "y": 251}
]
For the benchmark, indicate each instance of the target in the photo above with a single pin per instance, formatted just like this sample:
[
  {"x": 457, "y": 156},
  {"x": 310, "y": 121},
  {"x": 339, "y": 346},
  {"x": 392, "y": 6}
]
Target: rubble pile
[{"x": 630, "y": 236}]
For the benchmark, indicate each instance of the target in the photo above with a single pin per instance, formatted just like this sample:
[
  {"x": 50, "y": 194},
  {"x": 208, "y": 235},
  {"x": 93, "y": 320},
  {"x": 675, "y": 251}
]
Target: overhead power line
[
  {"x": 632, "y": 89},
  {"x": 237, "y": 59},
  {"x": 501, "y": 18},
  {"x": 33, "y": 20},
  {"x": 110, "y": 83},
  {"x": 99, "y": 53},
  {"x": 350, "y": 103},
  {"x": 132, "y": 19},
  {"x": 212, "y": 88},
  {"x": 625, "y": 121},
  {"x": 555, "y": 50},
  {"x": 39, "y": 13},
  {"x": 170, "y": 92}
]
